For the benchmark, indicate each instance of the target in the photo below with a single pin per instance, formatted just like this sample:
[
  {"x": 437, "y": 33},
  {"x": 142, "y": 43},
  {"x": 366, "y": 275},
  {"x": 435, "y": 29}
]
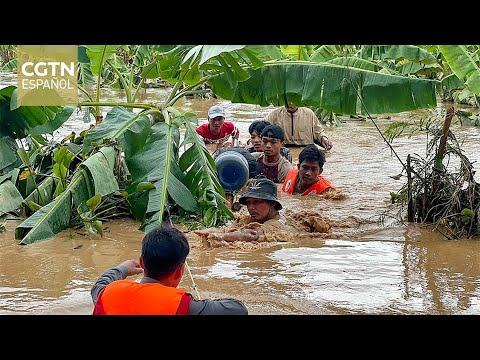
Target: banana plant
[
  {"x": 24, "y": 126},
  {"x": 153, "y": 146},
  {"x": 93, "y": 177},
  {"x": 464, "y": 64},
  {"x": 161, "y": 170},
  {"x": 327, "y": 86}
]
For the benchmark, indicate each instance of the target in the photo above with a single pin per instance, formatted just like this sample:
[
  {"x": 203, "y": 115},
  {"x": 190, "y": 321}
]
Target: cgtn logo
[
  {"x": 47, "y": 75},
  {"x": 43, "y": 75}
]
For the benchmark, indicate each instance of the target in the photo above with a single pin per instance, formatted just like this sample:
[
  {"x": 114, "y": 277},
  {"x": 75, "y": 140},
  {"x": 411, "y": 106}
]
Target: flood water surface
[{"x": 368, "y": 263}]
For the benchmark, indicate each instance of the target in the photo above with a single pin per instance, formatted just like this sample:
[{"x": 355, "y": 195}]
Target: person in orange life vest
[
  {"x": 306, "y": 180},
  {"x": 217, "y": 130},
  {"x": 255, "y": 130},
  {"x": 263, "y": 208},
  {"x": 274, "y": 166},
  {"x": 162, "y": 261}
]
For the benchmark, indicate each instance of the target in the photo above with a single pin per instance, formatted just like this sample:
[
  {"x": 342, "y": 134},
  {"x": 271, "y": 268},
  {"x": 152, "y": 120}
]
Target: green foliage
[
  {"x": 93, "y": 176},
  {"x": 464, "y": 64},
  {"x": 139, "y": 156},
  {"x": 334, "y": 88},
  {"x": 448, "y": 198},
  {"x": 396, "y": 129}
]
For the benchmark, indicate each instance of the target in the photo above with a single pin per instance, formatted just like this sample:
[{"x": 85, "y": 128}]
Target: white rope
[
  {"x": 189, "y": 273},
  {"x": 193, "y": 281}
]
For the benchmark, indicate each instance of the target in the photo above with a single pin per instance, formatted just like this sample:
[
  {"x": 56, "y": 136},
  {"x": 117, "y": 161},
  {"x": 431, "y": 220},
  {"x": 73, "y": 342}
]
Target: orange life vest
[
  {"x": 128, "y": 297},
  {"x": 317, "y": 188}
]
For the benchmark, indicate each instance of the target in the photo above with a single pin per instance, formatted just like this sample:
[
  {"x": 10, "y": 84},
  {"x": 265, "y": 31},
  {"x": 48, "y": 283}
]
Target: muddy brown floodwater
[{"x": 362, "y": 266}]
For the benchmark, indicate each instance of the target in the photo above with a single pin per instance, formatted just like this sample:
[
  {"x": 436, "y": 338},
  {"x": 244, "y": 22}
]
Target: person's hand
[
  {"x": 202, "y": 233},
  {"x": 133, "y": 267},
  {"x": 210, "y": 234},
  {"x": 326, "y": 143},
  {"x": 242, "y": 235},
  {"x": 251, "y": 234},
  {"x": 235, "y": 133},
  {"x": 219, "y": 236}
]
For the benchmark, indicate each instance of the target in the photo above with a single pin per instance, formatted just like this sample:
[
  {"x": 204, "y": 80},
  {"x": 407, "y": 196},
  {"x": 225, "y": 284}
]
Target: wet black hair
[
  {"x": 312, "y": 153},
  {"x": 163, "y": 250},
  {"x": 273, "y": 131},
  {"x": 258, "y": 126}
]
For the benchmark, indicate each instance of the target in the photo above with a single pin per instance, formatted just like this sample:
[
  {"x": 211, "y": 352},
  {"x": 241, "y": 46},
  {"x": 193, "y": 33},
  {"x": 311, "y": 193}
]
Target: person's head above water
[
  {"x": 261, "y": 199},
  {"x": 310, "y": 164},
  {"x": 216, "y": 118},
  {"x": 255, "y": 129},
  {"x": 312, "y": 153},
  {"x": 164, "y": 251}
]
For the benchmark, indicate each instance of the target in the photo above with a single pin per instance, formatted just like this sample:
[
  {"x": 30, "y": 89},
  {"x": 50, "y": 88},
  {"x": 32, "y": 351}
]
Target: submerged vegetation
[
  {"x": 133, "y": 161},
  {"x": 440, "y": 187}
]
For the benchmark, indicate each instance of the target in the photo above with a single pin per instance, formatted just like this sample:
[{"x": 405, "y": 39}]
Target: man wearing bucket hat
[
  {"x": 263, "y": 209},
  {"x": 217, "y": 130}
]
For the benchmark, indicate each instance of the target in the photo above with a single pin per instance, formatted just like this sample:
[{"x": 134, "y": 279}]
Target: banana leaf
[
  {"x": 184, "y": 62},
  {"x": 451, "y": 81},
  {"x": 268, "y": 52},
  {"x": 463, "y": 65},
  {"x": 142, "y": 54},
  {"x": 48, "y": 220},
  {"x": 101, "y": 170},
  {"x": 114, "y": 126},
  {"x": 98, "y": 54},
  {"x": 326, "y": 53},
  {"x": 10, "y": 175},
  {"x": 19, "y": 122},
  {"x": 86, "y": 182},
  {"x": 154, "y": 164},
  {"x": 411, "y": 53},
  {"x": 8, "y": 155},
  {"x": 52, "y": 125},
  {"x": 11, "y": 197},
  {"x": 334, "y": 88}
]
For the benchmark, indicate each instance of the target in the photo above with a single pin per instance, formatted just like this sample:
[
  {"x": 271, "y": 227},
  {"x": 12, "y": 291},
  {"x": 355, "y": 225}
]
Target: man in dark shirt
[{"x": 255, "y": 129}]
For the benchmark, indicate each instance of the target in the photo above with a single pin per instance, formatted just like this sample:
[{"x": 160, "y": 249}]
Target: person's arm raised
[
  {"x": 119, "y": 272},
  {"x": 238, "y": 235}
]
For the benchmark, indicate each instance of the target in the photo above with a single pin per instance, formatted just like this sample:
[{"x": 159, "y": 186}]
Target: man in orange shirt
[{"x": 162, "y": 262}]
